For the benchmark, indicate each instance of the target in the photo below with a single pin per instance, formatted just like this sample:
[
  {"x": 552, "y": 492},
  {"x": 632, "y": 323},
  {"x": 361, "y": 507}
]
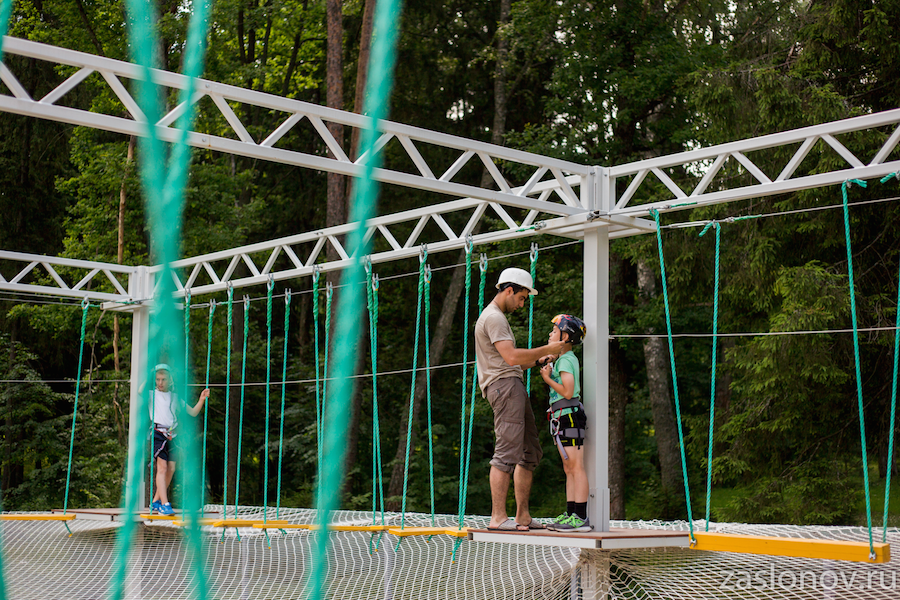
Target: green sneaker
[{"x": 559, "y": 522}]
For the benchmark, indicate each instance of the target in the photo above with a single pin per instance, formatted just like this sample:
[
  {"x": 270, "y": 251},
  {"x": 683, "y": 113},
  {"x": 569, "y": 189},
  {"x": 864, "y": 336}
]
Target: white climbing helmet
[{"x": 520, "y": 277}]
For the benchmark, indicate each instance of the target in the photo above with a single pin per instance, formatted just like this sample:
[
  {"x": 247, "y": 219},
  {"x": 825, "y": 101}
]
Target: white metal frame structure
[{"x": 596, "y": 212}]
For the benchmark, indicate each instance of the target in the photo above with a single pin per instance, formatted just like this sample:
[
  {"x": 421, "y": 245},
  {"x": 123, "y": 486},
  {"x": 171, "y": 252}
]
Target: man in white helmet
[{"x": 517, "y": 449}]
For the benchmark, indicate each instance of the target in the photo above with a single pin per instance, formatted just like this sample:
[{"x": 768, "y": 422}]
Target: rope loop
[
  {"x": 714, "y": 224},
  {"x": 482, "y": 263},
  {"x": 470, "y": 243},
  {"x": 423, "y": 253},
  {"x": 427, "y": 273},
  {"x": 85, "y": 303},
  {"x": 375, "y": 282},
  {"x": 246, "y": 302},
  {"x": 533, "y": 254},
  {"x": 271, "y": 284},
  {"x": 367, "y": 264},
  {"x": 212, "y": 307},
  {"x": 316, "y": 272},
  {"x": 287, "y": 297},
  {"x": 187, "y": 296}
]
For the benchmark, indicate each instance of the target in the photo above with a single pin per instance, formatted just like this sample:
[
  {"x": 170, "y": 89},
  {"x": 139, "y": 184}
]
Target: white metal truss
[
  {"x": 564, "y": 201},
  {"x": 707, "y": 163},
  {"x": 65, "y": 277}
]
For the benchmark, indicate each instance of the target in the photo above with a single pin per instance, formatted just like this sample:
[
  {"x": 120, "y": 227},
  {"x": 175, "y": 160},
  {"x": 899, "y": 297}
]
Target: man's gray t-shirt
[{"x": 492, "y": 327}]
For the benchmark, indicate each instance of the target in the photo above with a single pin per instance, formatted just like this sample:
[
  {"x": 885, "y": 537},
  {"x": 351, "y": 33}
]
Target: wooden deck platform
[
  {"x": 118, "y": 514},
  {"x": 615, "y": 539}
]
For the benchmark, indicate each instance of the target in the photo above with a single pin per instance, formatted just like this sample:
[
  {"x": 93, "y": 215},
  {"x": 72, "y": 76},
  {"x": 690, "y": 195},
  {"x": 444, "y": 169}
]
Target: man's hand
[{"x": 204, "y": 394}]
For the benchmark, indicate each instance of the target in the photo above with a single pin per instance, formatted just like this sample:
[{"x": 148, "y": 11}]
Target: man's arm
[
  {"x": 528, "y": 357},
  {"x": 195, "y": 410}
]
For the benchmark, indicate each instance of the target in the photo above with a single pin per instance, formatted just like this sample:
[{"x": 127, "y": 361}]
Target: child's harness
[{"x": 558, "y": 409}]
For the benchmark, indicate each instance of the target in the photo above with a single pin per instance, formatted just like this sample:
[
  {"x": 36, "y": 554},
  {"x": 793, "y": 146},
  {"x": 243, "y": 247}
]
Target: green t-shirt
[{"x": 567, "y": 363}]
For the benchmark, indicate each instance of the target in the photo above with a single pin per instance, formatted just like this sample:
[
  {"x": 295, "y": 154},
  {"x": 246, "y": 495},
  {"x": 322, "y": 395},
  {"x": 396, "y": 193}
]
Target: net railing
[{"x": 42, "y": 561}]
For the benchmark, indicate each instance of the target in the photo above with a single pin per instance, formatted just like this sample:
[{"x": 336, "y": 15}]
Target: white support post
[
  {"x": 140, "y": 286},
  {"x": 596, "y": 350}
]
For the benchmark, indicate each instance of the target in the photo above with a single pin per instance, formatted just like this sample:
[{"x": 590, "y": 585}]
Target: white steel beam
[{"x": 45, "y": 268}]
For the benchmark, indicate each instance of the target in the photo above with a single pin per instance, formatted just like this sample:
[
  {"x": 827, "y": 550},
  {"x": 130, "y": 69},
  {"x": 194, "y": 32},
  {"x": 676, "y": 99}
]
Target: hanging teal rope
[
  {"x": 315, "y": 293},
  {"x": 329, "y": 295},
  {"x": 287, "y": 315},
  {"x": 662, "y": 268},
  {"x": 859, "y": 394},
  {"x": 534, "y": 257},
  {"x": 362, "y": 207},
  {"x": 891, "y": 425},
  {"x": 428, "y": 386},
  {"x": 712, "y": 383},
  {"x": 237, "y": 477},
  {"x": 84, "y": 312},
  {"x": 377, "y": 476},
  {"x": 465, "y": 371},
  {"x": 163, "y": 179},
  {"x": 209, "y": 330},
  {"x": 467, "y": 440},
  {"x": 423, "y": 256},
  {"x": 227, "y": 402},
  {"x": 269, "y": 288}
]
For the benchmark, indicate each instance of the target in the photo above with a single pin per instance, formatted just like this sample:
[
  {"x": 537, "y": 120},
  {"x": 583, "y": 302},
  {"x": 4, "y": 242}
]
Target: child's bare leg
[{"x": 576, "y": 477}]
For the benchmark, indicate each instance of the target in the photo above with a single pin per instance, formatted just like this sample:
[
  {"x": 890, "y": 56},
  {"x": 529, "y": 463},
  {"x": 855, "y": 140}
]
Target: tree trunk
[
  {"x": 438, "y": 343},
  {"x": 618, "y": 398},
  {"x": 362, "y": 71},
  {"x": 120, "y": 258},
  {"x": 655, "y": 358}
]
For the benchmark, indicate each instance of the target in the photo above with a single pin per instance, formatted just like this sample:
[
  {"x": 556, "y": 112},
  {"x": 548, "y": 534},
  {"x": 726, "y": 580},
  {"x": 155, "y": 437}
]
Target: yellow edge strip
[
  {"x": 269, "y": 525},
  {"x": 410, "y": 531},
  {"x": 796, "y": 547},
  {"x": 147, "y": 517},
  {"x": 50, "y": 517}
]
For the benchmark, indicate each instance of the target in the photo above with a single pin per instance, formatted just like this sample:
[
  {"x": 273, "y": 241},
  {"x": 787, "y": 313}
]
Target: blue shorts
[{"x": 163, "y": 447}]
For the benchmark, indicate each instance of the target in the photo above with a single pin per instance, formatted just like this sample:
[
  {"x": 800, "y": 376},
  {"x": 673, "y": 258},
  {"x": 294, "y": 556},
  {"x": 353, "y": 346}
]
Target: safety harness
[{"x": 558, "y": 409}]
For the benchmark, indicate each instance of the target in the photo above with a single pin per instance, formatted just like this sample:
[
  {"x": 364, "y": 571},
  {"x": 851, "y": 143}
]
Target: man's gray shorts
[{"x": 517, "y": 440}]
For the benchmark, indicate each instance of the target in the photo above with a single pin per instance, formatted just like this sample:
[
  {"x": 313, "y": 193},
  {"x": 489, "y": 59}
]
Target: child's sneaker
[
  {"x": 155, "y": 506},
  {"x": 579, "y": 525},
  {"x": 166, "y": 509},
  {"x": 558, "y": 522}
]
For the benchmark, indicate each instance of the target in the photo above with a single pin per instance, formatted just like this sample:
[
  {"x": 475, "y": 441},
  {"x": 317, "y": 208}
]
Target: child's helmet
[{"x": 571, "y": 325}]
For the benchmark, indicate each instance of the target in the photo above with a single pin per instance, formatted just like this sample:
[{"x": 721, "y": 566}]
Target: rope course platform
[
  {"x": 38, "y": 517},
  {"x": 106, "y": 514},
  {"x": 614, "y": 539}
]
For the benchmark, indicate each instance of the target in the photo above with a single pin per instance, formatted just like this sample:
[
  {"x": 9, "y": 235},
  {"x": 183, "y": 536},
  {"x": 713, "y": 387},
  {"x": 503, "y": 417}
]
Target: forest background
[{"x": 597, "y": 83}]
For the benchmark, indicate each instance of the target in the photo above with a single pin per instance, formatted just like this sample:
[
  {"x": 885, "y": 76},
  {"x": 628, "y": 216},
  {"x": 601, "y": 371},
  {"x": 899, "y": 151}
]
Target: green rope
[
  {"x": 315, "y": 293},
  {"x": 209, "y": 331},
  {"x": 859, "y": 394},
  {"x": 329, "y": 294},
  {"x": 84, "y": 311},
  {"x": 712, "y": 383},
  {"x": 465, "y": 372},
  {"x": 377, "y": 475},
  {"x": 887, "y": 483},
  {"x": 372, "y": 307},
  {"x": 423, "y": 256},
  {"x": 428, "y": 386},
  {"x": 662, "y": 268},
  {"x": 237, "y": 477},
  {"x": 287, "y": 315},
  {"x": 467, "y": 441},
  {"x": 163, "y": 183},
  {"x": 362, "y": 206},
  {"x": 534, "y": 257},
  {"x": 5, "y": 10},
  {"x": 269, "y": 288},
  {"x": 227, "y": 402},
  {"x": 890, "y": 176}
]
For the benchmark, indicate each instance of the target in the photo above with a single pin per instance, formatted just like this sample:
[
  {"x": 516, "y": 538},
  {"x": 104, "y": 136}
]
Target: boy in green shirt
[{"x": 567, "y": 423}]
